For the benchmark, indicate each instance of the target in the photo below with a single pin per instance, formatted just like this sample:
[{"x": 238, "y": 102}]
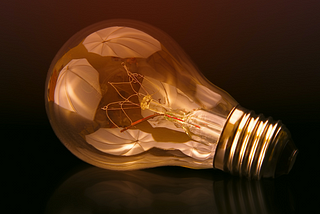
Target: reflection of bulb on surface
[
  {"x": 94, "y": 190},
  {"x": 122, "y": 95}
]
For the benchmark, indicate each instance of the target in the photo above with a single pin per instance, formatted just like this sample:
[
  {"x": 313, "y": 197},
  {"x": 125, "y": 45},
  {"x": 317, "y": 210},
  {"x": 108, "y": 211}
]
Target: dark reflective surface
[
  {"x": 41, "y": 176},
  {"x": 162, "y": 190}
]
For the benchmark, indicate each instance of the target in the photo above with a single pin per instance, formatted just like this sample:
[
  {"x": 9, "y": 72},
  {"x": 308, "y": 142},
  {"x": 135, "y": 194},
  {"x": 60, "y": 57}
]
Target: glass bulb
[{"x": 123, "y": 95}]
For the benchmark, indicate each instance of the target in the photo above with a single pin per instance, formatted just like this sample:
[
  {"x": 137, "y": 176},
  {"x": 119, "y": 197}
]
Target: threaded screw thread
[{"x": 253, "y": 146}]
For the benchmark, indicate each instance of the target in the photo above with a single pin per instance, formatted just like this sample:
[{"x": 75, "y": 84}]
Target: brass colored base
[{"x": 254, "y": 146}]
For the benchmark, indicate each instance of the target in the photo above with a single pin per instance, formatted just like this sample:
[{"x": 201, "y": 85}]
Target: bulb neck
[{"x": 254, "y": 146}]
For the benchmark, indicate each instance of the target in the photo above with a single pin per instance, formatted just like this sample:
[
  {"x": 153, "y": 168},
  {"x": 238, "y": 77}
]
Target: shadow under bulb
[{"x": 122, "y": 95}]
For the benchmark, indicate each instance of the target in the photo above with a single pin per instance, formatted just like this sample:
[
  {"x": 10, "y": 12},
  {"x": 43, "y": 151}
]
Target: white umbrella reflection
[
  {"x": 134, "y": 141},
  {"x": 123, "y": 42},
  {"x": 78, "y": 88}
]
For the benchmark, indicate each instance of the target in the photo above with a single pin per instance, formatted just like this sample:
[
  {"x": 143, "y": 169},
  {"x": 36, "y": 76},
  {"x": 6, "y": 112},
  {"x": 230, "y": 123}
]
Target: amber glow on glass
[{"x": 123, "y": 95}]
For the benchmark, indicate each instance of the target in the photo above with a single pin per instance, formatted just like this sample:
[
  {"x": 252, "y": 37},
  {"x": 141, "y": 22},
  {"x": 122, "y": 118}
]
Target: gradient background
[{"x": 264, "y": 53}]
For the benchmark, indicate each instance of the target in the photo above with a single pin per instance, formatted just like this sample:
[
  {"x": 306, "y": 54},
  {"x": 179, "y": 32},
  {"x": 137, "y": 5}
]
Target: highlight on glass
[{"x": 122, "y": 95}]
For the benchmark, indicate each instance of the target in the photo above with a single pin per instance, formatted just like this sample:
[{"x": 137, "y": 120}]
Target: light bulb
[{"x": 123, "y": 95}]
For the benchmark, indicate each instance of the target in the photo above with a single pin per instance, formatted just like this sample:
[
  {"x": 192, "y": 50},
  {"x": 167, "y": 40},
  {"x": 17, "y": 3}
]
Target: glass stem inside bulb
[{"x": 201, "y": 125}]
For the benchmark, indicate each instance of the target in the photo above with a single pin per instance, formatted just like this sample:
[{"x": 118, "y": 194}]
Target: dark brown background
[{"x": 264, "y": 53}]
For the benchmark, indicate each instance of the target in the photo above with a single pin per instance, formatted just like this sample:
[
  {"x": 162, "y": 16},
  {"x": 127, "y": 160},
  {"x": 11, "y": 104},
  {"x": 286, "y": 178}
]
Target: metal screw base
[{"x": 254, "y": 146}]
